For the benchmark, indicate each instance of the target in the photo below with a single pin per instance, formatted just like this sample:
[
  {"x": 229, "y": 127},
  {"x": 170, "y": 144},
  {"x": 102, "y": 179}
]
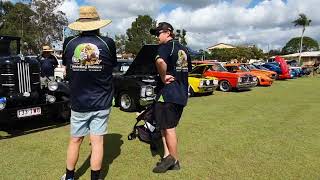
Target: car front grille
[
  {"x": 24, "y": 77},
  {"x": 246, "y": 79}
]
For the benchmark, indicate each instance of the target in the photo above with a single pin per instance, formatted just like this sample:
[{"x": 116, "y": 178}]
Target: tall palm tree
[{"x": 304, "y": 22}]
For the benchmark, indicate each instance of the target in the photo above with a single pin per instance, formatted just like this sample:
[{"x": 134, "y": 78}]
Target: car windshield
[
  {"x": 217, "y": 67},
  {"x": 251, "y": 67},
  {"x": 243, "y": 68},
  {"x": 261, "y": 67},
  {"x": 198, "y": 70},
  {"x": 122, "y": 67}
]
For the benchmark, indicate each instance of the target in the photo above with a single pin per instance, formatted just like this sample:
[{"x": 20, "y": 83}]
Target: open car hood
[{"x": 144, "y": 63}]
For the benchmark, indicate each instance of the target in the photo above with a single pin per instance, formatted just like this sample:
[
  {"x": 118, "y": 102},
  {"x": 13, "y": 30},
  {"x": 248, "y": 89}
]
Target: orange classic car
[
  {"x": 263, "y": 79},
  {"x": 252, "y": 68}
]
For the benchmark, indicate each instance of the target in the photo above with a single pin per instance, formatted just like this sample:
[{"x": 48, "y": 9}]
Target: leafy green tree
[
  {"x": 181, "y": 36},
  {"x": 293, "y": 46},
  {"x": 304, "y": 22},
  {"x": 18, "y": 21},
  {"x": 49, "y": 22},
  {"x": 139, "y": 34},
  {"x": 243, "y": 54},
  {"x": 274, "y": 52},
  {"x": 120, "y": 41},
  {"x": 37, "y": 23}
]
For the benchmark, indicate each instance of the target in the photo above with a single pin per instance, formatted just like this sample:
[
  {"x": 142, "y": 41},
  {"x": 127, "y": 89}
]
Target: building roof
[
  {"x": 304, "y": 54},
  {"x": 221, "y": 46}
]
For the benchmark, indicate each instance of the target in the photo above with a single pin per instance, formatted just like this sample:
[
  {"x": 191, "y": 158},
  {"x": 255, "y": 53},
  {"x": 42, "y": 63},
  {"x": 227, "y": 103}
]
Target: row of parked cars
[
  {"x": 136, "y": 80},
  {"x": 23, "y": 94}
]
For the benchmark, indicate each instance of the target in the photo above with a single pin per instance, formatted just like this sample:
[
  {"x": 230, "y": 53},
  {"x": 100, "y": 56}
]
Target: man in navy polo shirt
[
  {"x": 48, "y": 62},
  {"x": 89, "y": 59},
  {"x": 173, "y": 64}
]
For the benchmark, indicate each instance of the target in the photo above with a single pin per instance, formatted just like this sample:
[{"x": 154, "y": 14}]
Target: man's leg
[
  {"x": 73, "y": 152},
  {"x": 165, "y": 147},
  {"x": 171, "y": 141},
  {"x": 96, "y": 152}
]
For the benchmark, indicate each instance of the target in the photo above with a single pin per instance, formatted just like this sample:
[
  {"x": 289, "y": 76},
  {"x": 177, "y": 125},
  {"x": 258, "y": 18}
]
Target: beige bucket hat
[
  {"x": 89, "y": 20},
  {"x": 46, "y": 49}
]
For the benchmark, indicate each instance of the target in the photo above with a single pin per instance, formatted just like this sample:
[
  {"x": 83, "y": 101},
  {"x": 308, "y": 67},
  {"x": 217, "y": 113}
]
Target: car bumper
[
  {"x": 244, "y": 86},
  {"x": 264, "y": 82},
  {"x": 206, "y": 89},
  {"x": 11, "y": 114},
  {"x": 146, "y": 101}
]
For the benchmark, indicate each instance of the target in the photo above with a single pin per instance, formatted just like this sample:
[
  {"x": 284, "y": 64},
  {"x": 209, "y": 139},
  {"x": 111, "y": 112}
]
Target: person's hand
[{"x": 167, "y": 79}]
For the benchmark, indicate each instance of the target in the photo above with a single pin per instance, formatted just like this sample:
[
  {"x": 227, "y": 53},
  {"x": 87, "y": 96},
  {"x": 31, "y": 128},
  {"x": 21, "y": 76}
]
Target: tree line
[{"x": 37, "y": 22}]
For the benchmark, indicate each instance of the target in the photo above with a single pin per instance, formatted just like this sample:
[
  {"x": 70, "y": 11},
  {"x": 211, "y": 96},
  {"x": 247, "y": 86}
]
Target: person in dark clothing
[
  {"x": 48, "y": 62},
  {"x": 89, "y": 59},
  {"x": 173, "y": 64}
]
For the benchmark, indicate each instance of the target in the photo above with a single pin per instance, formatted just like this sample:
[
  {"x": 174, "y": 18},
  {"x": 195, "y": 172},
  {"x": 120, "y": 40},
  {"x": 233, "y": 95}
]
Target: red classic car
[{"x": 227, "y": 80}]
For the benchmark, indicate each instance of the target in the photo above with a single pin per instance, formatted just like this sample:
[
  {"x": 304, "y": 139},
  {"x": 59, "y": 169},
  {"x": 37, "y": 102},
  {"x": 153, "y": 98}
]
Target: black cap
[{"x": 161, "y": 26}]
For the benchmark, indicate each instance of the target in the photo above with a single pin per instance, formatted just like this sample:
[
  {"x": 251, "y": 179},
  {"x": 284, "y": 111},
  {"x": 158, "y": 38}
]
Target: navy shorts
[{"x": 167, "y": 115}]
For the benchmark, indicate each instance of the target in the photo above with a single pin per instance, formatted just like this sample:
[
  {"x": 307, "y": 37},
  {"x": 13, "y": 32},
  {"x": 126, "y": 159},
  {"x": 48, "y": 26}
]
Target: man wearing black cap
[{"x": 173, "y": 64}]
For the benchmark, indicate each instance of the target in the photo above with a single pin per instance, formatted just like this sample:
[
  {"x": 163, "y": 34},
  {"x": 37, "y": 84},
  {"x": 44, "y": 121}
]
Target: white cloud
[
  {"x": 208, "y": 22},
  {"x": 71, "y": 8},
  {"x": 268, "y": 23}
]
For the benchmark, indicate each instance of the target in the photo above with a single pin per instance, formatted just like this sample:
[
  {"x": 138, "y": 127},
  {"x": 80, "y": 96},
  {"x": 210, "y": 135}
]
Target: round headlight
[
  {"x": 149, "y": 91},
  {"x": 52, "y": 86},
  {"x": 208, "y": 82},
  {"x": 201, "y": 83},
  {"x": 215, "y": 82},
  {"x": 254, "y": 78},
  {"x": 51, "y": 99}
]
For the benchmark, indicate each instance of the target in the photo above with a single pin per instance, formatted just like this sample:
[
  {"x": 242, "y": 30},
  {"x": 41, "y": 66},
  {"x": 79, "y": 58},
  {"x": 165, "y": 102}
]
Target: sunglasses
[{"x": 159, "y": 32}]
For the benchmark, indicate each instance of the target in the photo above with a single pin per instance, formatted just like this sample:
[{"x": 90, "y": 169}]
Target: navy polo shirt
[
  {"x": 178, "y": 63},
  {"x": 48, "y": 64},
  {"x": 89, "y": 59}
]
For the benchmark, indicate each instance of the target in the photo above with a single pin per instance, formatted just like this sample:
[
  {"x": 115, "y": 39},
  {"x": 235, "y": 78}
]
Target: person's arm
[
  {"x": 113, "y": 52},
  {"x": 162, "y": 70}
]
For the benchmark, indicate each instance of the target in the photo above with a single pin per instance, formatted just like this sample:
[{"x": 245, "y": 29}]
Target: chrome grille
[
  {"x": 246, "y": 79},
  {"x": 24, "y": 77}
]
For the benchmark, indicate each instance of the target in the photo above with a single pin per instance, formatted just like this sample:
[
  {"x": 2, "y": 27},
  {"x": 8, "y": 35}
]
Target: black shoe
[
  {"x": 165, "y": 164},
  {"x": 176, "y": 166}
]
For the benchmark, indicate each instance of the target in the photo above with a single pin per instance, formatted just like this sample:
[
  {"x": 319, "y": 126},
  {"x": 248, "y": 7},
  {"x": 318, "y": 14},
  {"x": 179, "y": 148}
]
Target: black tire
[
  {"x": 258, "y": 82},
  {"x": 224, "y": 86},
  {"x": 126, "y": 102},
  {"x": 190, "y": 92}
]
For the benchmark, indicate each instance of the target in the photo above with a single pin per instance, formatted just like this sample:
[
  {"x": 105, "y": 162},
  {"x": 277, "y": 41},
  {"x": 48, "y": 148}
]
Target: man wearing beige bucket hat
[
  {"x": 48, "y": 62},
  {"x": 89, "y": 59}
]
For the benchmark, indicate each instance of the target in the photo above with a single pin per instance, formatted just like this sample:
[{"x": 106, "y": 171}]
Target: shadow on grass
[
  {"x": 28, "y": 126},
  {"x": 112, "y": 149}
]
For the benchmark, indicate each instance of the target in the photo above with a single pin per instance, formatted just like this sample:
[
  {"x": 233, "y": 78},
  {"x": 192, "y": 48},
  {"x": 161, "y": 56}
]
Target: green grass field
[{"x": 266, "y": 133}]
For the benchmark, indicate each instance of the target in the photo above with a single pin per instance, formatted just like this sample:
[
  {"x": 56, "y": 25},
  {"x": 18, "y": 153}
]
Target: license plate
[
  {"x": 209, "y": 89},
  {"x": 29, "y": 112}
]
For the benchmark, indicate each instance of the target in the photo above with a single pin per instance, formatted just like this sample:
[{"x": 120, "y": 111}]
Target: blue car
[{"x": 272, "y": 67}]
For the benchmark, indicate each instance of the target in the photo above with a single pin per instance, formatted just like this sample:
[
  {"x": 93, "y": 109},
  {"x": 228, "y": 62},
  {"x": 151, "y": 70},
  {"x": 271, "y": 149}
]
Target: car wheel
[
  {"x": 224, "y": 86},
  {"x": 190, "y": 92},
  {"x": 258, "y": 82},
  {"x": 127, "y": 102}
]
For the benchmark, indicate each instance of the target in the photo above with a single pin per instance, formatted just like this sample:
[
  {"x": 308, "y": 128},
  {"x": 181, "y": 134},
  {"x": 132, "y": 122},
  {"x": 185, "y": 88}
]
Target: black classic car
[
  {"x": 23, "y": 93},
  {"x": 135, "y": 81}
]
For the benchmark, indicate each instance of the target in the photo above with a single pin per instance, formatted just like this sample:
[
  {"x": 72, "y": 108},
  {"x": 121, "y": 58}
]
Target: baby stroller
[{"x": 148, "y": 131}]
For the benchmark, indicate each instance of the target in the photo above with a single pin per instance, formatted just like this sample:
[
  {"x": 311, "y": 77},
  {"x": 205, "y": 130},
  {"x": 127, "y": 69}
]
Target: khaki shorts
[{"x": 85, "y": 123}]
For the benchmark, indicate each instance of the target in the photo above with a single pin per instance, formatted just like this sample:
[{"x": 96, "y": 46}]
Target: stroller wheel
[{"x": 131, "y": 136}]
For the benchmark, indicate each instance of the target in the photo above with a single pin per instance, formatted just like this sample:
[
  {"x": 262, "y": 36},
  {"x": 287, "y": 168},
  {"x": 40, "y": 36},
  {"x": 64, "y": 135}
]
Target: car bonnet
[{"x": 144, "y": 63}]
